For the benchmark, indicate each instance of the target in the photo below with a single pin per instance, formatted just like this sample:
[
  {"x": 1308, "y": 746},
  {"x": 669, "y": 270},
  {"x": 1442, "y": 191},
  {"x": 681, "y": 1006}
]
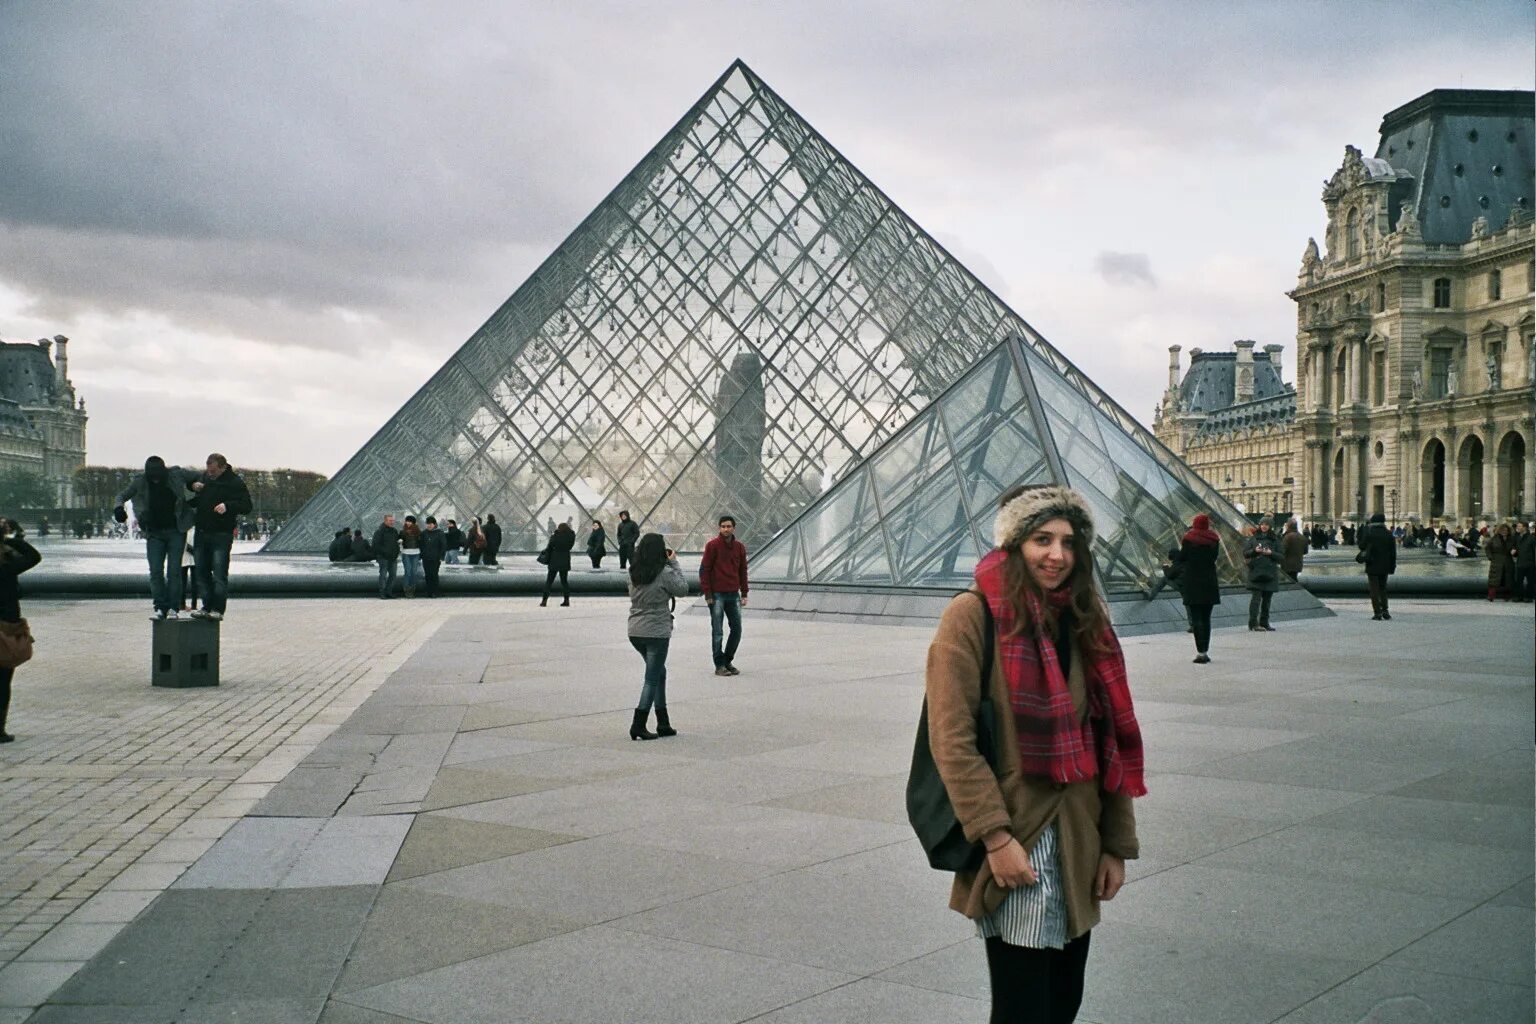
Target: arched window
[{"x": 1352, "y": 234}]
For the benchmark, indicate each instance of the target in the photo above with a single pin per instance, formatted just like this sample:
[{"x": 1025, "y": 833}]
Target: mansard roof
[
  {"x": 26, "y": 373},
  {"x": 1275, "y": 410},
  {"x": 1469, "y": 151},
  {"x": 1211, "y": 382}
]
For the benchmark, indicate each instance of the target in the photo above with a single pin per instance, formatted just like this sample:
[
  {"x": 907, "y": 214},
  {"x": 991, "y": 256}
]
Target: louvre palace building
[
  {"x": 1415, "y": 366},
  {"x": 42, "y": 421}
]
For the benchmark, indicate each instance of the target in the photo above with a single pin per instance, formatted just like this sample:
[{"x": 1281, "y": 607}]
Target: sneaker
[
  {"x": 1202, "y": 659},
  {"x": 199, "y": 613},
  {"x": 160, "y": 613},
  {"x": 171, "y": 614},
  {"x": 1269, "y": 629},
  {"x": 214, "y": 616},
  {"x": 732, "y": 670},
  {"x": 721, "y": 670},
  {"x": 1375, "y": 618},
  {"x": 1386, "y": 616}
]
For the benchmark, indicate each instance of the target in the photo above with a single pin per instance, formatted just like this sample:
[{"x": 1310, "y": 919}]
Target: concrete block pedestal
[{"x": 184, "y": 653}]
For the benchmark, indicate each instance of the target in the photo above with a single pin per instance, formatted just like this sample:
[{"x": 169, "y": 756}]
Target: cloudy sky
[{"x": 263, "y": 225}]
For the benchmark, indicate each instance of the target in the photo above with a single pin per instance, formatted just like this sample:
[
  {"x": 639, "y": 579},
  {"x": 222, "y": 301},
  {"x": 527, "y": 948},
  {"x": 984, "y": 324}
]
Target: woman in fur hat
[{"x": 1053, "y": 810}]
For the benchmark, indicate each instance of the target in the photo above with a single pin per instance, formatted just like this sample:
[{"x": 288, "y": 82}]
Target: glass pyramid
[
  {"x": 738, "y": 324},
  {"x": 918, "y": 512}
]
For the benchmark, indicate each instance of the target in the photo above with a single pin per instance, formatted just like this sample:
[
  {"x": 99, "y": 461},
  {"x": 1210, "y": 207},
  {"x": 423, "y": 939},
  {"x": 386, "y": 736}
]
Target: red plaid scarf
[{"x": 1053, "y": 740}]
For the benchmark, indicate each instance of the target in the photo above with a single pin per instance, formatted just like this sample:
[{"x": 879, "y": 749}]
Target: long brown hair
[{"x": 1090, "y": 617}]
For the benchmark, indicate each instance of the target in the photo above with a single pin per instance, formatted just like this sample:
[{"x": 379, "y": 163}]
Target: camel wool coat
[{"x": 1090, "y": 820}]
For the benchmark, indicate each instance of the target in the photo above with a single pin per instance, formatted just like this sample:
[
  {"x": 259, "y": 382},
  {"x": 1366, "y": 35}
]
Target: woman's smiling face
[{"x": 1048, "y": 553}]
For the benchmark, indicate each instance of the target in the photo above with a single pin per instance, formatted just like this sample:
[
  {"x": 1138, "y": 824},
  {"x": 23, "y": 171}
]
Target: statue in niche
[
  {"x": 1450, "y": 383},
  {"x": 1418, "y": 384},
  {"x": 1408, "y": 220},
  {"x": 1492, "y": 365},
  {"x": 1480, "y": 227}
]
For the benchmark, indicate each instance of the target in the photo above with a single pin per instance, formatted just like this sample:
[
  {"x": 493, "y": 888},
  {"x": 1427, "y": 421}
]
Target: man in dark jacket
[
  {"x": 453, "y": 537},
  {"x": 159, "y": 496},
  {"x": 1525, "y": 563},
  {"x": 492, "y": 531},
  {"x": 1293, "y": 551},
  {"x": 628, "y": 536},
  {"x": 221, "y": 500},
  {"x": 723, "y": 581},
  {"x": 386, "y": 551},
  {"x": 341, "y": 546},
  {"x": 434, "y": 545},
  {"x": 1379, "y": 553},
  {"x": 362, "y": 551}
]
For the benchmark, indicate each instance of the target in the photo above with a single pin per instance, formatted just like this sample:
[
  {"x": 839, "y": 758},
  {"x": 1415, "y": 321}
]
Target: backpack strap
[{"x": 986, "y": 727}]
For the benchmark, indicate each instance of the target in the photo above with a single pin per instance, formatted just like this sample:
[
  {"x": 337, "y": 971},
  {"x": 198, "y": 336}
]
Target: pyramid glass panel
[
  {"x": 738, "y": 326},
  {"x": 929, "y": 495}
]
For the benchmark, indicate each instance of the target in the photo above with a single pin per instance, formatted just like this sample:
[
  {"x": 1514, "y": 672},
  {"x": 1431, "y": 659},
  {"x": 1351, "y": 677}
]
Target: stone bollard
[{"x": 185, "y": 652}]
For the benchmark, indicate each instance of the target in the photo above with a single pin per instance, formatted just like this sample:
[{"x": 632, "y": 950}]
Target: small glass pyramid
[{"x": 918, "y": 512}]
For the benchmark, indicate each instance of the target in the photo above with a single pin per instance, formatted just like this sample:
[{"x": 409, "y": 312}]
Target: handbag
[
  {"x": 929, "y": 810},
  {"x": 1360, "y": 557},
  {"x": 542, "y": 557},
  {"x": 15, "y": 643}
]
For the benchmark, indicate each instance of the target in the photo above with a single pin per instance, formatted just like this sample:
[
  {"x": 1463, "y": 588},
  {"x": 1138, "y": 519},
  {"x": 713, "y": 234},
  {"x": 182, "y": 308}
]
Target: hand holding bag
[
  {"x": 928, "y": 806},
  {"x": 15, "y": 644}
]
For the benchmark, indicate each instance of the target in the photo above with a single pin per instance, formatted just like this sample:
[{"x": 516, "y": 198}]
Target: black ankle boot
[
  {"x": 637, "y": 730},
  {"x": 664, "y": 724},
  {"x": 544, "y": 601}
]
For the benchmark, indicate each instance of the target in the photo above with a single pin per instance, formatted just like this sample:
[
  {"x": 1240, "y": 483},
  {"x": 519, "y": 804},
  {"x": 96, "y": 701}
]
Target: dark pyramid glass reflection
[{"x": 918, "y": 512}]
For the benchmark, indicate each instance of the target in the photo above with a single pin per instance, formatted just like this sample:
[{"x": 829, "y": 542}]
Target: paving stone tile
[
  {"x": 29, "y": 984},
  {"x": 166, "y": 1013},
  {"x": 470, "y": 747},
  {"x": 494, "y": 716},
  {"x": 300, "y": 936},
  {"x": 1410, "y": 820},
  {"x": 309, "y": 792},
  {"x": 1436, "y": 868},
  {"x": 114, "y": 906},
  {"x": 267, "y": 1011},
  {"x": 870, "y": 799},
  {"x": 256, "y": 853},
  {"x": 439, "y": 843},
  {"x": 878, "y": 1002},
  {"x": 1283, "y": 766},
  {"x": 410, "y": 931},
  {"x": 349, "y": 851},
  {"x": 394, "y": 721},
  {"x": 1478, "y": 945},
  {"x": 1510, "y": 788},
  {"x": 455, "y": 787},
  {"x": 337, "y": 1012},
  {"x": 771, "y": 835},
  {"x": 959, "y": 969},
  {"x": 591, "y": 881},
  {"x": 71, "y": 941},
  {"x": 1393, "y": 995},
  {"x": 1522, "y": 894},
  {"x": 588, "y": 810},
  {"x": 598, "y": 976},
  {"x": 1262, "y": 801}
]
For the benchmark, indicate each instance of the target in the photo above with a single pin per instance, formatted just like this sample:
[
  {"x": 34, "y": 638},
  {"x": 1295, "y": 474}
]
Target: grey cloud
[{"x": 1125, "y": 268}]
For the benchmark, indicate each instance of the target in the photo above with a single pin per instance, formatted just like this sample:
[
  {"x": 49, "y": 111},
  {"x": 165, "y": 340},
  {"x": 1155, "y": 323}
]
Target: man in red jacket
[{"x": 723, "y": 579}]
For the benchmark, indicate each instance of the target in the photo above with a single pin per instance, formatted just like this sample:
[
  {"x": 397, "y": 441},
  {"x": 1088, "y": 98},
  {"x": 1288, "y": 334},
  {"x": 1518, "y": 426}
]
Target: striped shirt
[{"x": 1034, "y": 916}]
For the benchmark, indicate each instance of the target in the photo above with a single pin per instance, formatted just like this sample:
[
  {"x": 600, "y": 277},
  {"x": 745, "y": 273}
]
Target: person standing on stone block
[
  {"x": 434, "y": 545},
  {"x": 221, "y": 499},
  {"x": 16, "y": 557},
  {"x": 1263, "y": 575},
  {"x": 1052, "y": 805},
  {"x": 159, "y": 496},
  {"x": 723, "y": 580},
  {"x": 386, "y": 551},
  {"x": 627, "y": 534}
]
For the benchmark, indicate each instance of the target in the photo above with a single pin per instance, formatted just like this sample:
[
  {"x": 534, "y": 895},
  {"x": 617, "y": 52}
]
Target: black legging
[
  {"x": 1036, "y": 986},
  {"x": 5, "y": 694},
  {"x": 1200, "y": 622},
  {"x": 565, "y": 583}
]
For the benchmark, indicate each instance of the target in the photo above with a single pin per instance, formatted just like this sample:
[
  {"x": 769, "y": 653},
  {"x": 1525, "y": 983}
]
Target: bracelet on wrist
[{"x": 999, "y": 846}]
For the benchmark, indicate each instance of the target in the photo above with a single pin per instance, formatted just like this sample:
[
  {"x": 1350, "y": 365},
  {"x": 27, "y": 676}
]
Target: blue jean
[
  {"x": 210, "y": 555},
  {"x": 728, "y": 608},
  {"x": 451, "y": 556},
  {"x": 387, "y": 575},
  {"x": 654, "y": 650},
  {"x": 164, "y": 549},
  {"x": 411, "y": 568}
]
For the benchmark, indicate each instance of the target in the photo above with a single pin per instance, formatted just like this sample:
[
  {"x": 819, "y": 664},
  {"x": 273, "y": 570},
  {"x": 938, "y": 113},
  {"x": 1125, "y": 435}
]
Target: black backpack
[{"x": 928, "y": 807}]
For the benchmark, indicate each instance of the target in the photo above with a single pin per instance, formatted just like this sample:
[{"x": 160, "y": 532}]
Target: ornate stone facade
[
  {"x": 1416, "y": 365},
  {"x": 42, "y": 421},
  {"x": 1231, "y": 419}
]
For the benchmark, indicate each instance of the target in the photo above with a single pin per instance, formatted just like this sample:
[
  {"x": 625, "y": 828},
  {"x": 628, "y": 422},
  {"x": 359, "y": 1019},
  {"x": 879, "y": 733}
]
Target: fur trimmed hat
[{"x": 1037, "y": 505}]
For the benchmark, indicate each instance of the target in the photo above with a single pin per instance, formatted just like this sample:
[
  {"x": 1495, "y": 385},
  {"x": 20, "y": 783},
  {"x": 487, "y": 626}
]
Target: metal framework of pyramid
[
  {"x": 918, "y": 512},
  {"x": 736, "y": 327}
]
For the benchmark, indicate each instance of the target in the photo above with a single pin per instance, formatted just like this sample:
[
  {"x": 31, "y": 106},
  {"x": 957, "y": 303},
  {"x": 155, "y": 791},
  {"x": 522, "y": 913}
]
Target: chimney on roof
[
  {"x": 61, "y": 361},
  {"x": 1274, "y": 358},
  {"x": 1173, "y": 366},
  {"x": 1243, "y": 386}
]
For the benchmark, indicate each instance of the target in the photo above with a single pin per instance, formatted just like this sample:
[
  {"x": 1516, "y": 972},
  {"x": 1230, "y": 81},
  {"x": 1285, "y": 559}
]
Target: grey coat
[
  {"x": 177, "y": 480},
  {"x": 1263, "y": 569},
  {"x": 650, "y": 606}
]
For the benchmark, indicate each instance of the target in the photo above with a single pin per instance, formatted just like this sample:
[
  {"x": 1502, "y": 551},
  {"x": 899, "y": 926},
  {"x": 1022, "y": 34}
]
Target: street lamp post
[
  {"x": 1311, "y": 505},
  {"x": 1393, "y": 496},
  {"x": 1359, "y": 505}
]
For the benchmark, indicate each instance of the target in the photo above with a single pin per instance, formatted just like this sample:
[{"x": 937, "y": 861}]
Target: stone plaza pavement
[{"x": 1339, "y": 829}]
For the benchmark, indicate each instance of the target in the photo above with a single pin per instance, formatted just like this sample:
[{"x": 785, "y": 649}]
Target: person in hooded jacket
[
  {"x": 160, "y": 504},
  {"x": 16, "y": 557},
  {"x": 656, "y": 581},
  {"x": 492, "y": 532},
  {"x": 1263, "y": 575},
  {"x": 558, "y": 551},
  {"x": 628, "y": 535},
  {"x": 1198, "y": 582},
  {"x": 1378, "y": 552},
  {"x": 362, "y": 551},
  {"x": 597, "y": 544}
]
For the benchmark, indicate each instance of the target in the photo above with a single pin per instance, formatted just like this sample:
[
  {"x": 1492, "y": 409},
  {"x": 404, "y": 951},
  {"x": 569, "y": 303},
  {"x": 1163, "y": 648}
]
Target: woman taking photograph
[
  {"x": 1198, "y": 583},
  {"x": 1055, "y": 814},
  {"x": 655, "y": 583}
]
